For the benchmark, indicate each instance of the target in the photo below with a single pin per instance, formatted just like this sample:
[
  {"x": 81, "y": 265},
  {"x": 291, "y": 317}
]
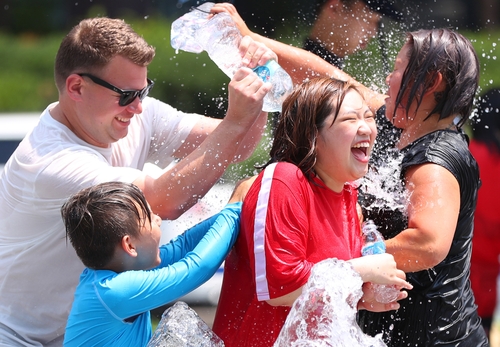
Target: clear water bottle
[
  {"x": 220, "y": 38},
  {"x": 374, "y": 244}
]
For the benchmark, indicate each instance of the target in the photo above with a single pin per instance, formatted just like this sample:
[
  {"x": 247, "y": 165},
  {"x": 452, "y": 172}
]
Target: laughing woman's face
[{"x": 344, "y": 147}]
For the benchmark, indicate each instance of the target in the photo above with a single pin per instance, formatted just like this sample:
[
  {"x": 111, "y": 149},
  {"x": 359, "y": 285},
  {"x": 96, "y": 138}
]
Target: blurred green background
[
  {"x": 30, "y": 33},
  {"x": 30, "y": 36}
]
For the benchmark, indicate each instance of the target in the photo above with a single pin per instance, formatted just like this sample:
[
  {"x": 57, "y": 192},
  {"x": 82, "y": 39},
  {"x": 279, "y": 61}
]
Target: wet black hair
[
  {"x": 452, "y": 55},
  {"x": 97, "y": 218}
]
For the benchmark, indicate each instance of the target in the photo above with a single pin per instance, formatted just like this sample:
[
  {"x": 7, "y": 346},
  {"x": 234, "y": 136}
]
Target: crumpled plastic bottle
[
  {"x": 194, "y": 32},
  {"x": 374, "y": 244},
  {"x": 180, "y": 326}
]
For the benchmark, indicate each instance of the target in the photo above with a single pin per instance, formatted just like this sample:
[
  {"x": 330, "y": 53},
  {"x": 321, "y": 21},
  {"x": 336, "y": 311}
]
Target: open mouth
[{"x": 360, "y": 150}]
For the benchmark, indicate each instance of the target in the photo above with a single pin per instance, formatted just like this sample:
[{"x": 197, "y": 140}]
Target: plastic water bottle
[
  {"x": 374, "y": 244},
  {"x": 220, "y": 38}
]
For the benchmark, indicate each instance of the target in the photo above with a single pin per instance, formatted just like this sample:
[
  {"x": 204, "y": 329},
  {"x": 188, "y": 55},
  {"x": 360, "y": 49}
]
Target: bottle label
[
  {"x": 374, "y": 248},
  {"x": 266, "y": 71}
]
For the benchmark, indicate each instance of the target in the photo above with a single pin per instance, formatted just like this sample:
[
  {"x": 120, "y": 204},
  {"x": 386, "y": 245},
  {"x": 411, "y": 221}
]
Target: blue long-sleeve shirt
[{"x": 112, "y": 309}]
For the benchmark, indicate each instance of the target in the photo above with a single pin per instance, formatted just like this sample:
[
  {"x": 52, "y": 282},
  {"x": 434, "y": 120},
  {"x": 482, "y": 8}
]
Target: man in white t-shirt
[{"x": 105, "y": 128}]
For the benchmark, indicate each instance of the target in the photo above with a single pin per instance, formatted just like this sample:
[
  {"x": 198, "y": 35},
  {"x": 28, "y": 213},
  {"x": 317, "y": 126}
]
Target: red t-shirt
[
  {"x": 486, "y": 239},
  {"x": 287, "y": 225}
]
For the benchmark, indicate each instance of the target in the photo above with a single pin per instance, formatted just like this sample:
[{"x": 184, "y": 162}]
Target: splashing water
[
  {"x": 324, "y": 315},
  {"x": 180, "y": 326},
  {"x": 384, "y": 183}
]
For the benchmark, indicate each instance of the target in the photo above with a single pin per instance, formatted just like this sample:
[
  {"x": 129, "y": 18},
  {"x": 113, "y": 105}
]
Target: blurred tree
[{"x": 274, "y": 18}]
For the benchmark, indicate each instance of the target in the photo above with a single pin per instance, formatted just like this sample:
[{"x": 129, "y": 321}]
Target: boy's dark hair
[{"x": 97, "y": 218}]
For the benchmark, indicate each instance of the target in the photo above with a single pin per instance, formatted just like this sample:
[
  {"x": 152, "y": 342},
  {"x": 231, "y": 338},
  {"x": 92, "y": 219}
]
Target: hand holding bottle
[
  {"x": 374, "y": 244},
  {"x": 218, "y": 35}
]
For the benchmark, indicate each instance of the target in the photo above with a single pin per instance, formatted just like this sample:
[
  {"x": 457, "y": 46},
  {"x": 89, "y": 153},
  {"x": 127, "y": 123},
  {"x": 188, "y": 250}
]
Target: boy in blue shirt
[{"x": 117, "y": 237}]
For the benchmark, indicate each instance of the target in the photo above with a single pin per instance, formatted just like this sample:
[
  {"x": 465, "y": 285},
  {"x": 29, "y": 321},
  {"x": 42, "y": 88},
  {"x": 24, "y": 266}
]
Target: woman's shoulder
[
  {"x": 443, "y": 143},
  {"x": 282, "y": 175},
  {"x": 449, "y": 149},
  {"x": 289, "y": 172}
]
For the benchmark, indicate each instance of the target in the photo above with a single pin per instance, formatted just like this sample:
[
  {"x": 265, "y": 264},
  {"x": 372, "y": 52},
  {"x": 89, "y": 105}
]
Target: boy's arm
[
  {"x": 199, "y": 255},
  {"x": 181, "y": 245},
  {"x": 184, "y": 243},
  {"x": 149, "y": 289}
]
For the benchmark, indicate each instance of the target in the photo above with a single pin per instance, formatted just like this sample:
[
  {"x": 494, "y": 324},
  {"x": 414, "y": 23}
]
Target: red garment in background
[{"x": 486, "y": 241}]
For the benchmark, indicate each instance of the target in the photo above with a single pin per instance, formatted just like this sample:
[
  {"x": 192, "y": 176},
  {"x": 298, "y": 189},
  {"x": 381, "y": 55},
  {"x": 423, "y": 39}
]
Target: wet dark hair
[
  {"x": 451, "y": 54},
  {"x": 97, "y": 218},
  {"x": 303, "y": 116},
  {"x": 91, "y": 45},
  {"x": 487, "y": 127}
]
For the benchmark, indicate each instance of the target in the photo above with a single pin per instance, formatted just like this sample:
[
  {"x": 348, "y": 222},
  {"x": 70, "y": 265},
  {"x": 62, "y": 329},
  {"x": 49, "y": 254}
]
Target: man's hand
[
  {"x": 246, "y": 98},
  {"x": 254, "y": 53}
]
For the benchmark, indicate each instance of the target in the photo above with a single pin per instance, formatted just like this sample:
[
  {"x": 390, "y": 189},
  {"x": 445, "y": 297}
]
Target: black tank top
[{"x": 440, "y": 309}]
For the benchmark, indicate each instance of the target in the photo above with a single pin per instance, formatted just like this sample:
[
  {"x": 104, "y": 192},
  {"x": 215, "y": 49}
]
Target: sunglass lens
[
  {"x": 143, "y": 93},
  {"x": 146, "y": 90},
  {"x": 127, "y": 98}
]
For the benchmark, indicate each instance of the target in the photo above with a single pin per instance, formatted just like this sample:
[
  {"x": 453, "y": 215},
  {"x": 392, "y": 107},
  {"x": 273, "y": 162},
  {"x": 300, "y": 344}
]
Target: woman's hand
[
  {"x": 368, "y": 301},
  {"x": 231, "y": 10},
  {"x": 381, "y": 269}
]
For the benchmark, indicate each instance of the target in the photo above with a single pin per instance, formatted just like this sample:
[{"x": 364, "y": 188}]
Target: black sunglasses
[{"x": 126, "y": 96}]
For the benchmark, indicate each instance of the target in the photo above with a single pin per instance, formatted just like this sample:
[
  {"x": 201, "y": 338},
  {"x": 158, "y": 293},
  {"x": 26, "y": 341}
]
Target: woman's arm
[
  {"x": 379, "y": 268},
  {"x": 432, "y": 218},
  {"x": 286, "y": 300},
  {"x": 299, "y": 63}
]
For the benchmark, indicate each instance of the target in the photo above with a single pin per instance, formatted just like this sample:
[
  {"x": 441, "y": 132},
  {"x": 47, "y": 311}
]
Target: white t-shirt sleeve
[{"x": 168, "y": 128}]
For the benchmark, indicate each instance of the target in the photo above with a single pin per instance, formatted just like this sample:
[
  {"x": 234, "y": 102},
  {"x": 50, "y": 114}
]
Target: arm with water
[
  {"x": 299, "y": 63},
  {"x": 432, "y": 218}
]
